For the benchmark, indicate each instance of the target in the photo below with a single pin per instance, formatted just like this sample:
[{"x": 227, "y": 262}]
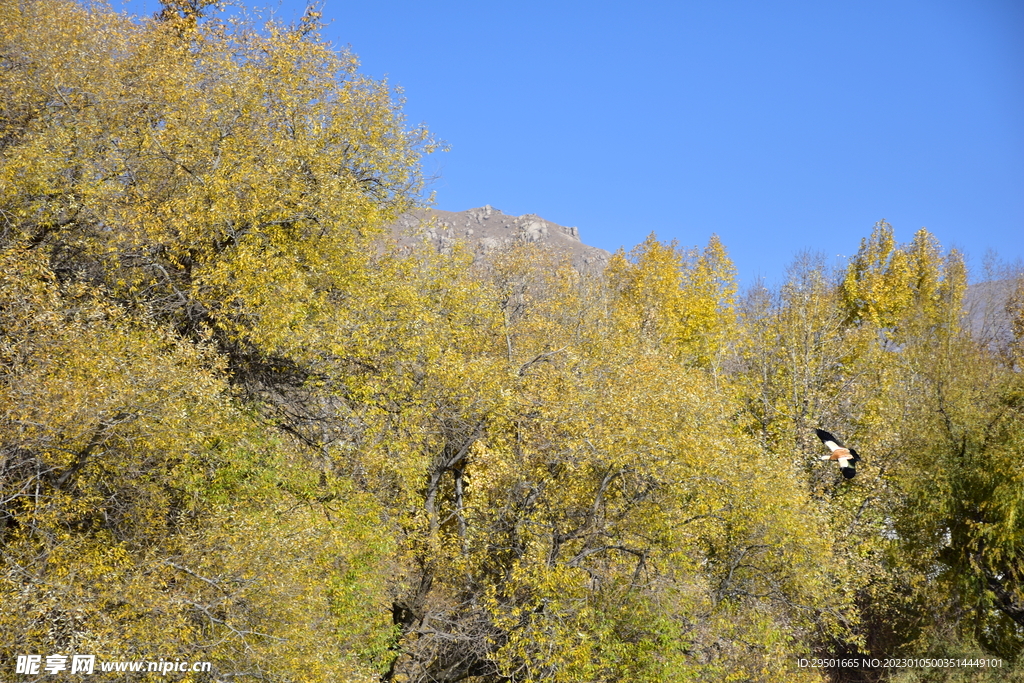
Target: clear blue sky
[{"x": 780, "y": 126}]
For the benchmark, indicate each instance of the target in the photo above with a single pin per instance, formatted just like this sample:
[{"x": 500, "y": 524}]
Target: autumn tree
[
  {"x": 881, "y": 355},
  {"x": 189, "y": 209},
  {"x": 237, "y": 426},
  {"x": 675, "y": 299}
]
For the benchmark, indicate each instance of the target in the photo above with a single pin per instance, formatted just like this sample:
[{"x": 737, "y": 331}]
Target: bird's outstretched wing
[{"x": 831, "y": 442}]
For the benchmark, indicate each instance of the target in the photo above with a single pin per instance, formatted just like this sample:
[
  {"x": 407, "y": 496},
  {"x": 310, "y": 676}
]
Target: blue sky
[{"x": 781, "y": 126}]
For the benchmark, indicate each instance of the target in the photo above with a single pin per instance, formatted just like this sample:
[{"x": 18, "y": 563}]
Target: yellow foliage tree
[
  {"x": 235, "y": 427},
  {"x": 675, "y": 299},
  {"x": 188, "y": 204}
]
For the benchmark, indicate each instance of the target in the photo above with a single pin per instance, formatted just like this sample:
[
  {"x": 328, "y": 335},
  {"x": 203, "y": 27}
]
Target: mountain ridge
[{"x": 486, "y": 228}]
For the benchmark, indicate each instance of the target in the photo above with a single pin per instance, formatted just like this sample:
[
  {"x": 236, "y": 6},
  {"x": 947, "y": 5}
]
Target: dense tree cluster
[{"x": 237, "y": 426}]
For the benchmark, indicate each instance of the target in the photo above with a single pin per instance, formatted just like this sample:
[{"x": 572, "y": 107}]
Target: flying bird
[{"x": 845, "y": 456}]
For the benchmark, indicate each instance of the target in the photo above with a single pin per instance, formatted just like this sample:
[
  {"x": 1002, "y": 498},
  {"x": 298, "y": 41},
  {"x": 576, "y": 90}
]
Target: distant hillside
[{"x": 487, "y": 228}]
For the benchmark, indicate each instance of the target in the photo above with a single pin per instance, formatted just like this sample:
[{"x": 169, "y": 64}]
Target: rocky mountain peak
[{"x": 487, "y": 228}]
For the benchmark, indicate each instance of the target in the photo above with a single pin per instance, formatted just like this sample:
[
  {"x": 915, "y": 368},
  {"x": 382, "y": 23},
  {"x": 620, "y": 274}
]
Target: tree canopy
[{"x": 237, "y": 426}]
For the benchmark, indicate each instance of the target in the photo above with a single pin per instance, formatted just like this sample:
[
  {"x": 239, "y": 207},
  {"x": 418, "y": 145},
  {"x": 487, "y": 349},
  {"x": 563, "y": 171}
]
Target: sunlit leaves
[
  {"x": 675, "y": 299},
  {"x": 237, "y": 426}
]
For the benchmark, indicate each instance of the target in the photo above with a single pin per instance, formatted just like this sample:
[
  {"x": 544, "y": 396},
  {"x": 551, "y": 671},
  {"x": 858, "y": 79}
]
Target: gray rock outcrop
[{"x": 485, "y": 229}]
